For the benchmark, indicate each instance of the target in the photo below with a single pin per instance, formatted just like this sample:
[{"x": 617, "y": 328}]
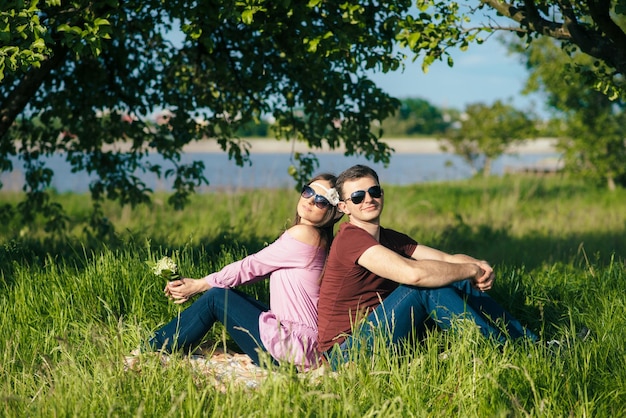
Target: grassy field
[{"x": 71, "y": 308}]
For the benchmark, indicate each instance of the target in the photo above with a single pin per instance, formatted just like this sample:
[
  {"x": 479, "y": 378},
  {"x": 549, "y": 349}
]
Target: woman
[{"x": 294, "y": 263}]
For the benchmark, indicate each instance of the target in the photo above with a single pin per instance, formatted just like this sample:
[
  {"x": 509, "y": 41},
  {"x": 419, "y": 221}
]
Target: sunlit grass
[{"x": 70, "y": 310}]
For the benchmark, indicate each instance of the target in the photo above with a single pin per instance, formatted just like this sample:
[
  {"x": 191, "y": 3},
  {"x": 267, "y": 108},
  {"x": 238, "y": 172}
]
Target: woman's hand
[{"x": 181, "y": 290}]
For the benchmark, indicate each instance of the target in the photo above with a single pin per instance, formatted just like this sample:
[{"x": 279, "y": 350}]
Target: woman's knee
[
  {"x": 215, "y": 298},
  {"x": 214, "y": 293}
]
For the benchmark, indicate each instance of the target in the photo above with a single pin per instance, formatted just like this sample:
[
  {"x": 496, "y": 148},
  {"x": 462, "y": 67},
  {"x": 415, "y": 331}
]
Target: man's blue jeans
[
  {"x": 407, "y": 309},
  {"x": 237, "y": 311}
]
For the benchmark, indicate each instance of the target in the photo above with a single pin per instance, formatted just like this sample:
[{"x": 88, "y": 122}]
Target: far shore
[{"x": 400, "y": 146}]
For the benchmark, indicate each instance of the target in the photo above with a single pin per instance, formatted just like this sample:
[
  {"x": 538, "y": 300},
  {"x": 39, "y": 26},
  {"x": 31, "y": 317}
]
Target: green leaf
[
  {"x": 247, "y": 16},
  {"x": 101, "y": 22}
]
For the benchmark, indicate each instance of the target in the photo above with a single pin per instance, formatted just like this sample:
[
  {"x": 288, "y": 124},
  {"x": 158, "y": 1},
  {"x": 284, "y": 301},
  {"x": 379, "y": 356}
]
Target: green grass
[{"x": 72, "y": 307}]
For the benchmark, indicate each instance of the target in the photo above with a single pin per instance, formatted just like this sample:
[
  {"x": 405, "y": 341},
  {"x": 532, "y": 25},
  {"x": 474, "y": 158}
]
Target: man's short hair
[{"x": 354, "y": 173}]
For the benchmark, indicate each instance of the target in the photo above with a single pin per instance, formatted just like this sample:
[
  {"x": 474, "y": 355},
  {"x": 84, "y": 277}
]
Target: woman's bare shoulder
[{"x": 305, "y": 233}]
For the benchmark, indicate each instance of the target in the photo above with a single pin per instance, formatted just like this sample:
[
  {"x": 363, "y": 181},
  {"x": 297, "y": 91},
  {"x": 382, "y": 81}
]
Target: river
[{"x": 269, "y": 170}]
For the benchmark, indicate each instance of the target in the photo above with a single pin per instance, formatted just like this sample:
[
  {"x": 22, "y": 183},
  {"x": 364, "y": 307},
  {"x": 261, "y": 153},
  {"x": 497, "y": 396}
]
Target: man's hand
[{"x": 484, "y": 281}]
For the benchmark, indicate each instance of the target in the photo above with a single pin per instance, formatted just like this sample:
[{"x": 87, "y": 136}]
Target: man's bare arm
[
  {"x": 424, "y": 272},
  {"x": 485, "y": 282}
]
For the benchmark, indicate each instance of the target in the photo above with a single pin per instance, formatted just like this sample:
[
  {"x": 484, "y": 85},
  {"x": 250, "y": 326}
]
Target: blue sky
[{"x": 483, "y": 73}]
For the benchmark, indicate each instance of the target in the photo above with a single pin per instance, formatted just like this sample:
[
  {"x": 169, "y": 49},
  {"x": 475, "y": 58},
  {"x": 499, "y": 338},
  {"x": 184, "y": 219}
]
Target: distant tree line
[{"x": 414, "y": 117}]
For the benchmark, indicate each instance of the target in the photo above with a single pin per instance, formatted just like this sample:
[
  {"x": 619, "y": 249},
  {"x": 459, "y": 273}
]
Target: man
[{"x": 380, "y": 277}]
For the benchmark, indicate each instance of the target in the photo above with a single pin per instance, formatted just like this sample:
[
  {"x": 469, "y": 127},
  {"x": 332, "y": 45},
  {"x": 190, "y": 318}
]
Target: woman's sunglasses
[
  {"x": 358, "y": 196},
  {"x": 320, "y": 201}
]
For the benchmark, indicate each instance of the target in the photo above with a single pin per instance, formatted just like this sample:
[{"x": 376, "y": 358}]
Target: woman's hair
[{"x": 326, "y": 225}]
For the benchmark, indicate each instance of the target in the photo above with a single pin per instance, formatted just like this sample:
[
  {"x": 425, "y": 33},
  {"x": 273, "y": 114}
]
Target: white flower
[{"x": 165, "y": 268}]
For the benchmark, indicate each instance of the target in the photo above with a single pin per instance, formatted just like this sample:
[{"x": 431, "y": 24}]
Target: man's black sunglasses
[
  {"x": 358, "y": 196},
  {"x": 320, "y": 201}
]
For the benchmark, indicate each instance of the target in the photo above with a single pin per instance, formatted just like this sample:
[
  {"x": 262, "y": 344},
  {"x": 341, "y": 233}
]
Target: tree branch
[
  {"x": 595, "y": 42},
  {"x": 19, "y": 97},
  {"x": 603, "y": 40},
  {"x": 530, "y": 18},
  {"x": 600, "y": 13}
]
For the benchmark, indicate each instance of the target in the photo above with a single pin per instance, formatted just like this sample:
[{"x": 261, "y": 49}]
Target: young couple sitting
[{"x": 380, "y": 279}]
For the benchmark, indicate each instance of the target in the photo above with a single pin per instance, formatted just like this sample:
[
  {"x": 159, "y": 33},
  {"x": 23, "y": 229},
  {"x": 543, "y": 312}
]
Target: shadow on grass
[
  {"x": 541, "y": 279},
  {"x": 36, "y": 253},
  {"x": 534, "y": 249},
  {"x": 515, "y": 260}
]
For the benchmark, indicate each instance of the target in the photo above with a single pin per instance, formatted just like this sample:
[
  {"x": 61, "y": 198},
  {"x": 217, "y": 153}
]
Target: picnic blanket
[{"x": 221, "y": 368}]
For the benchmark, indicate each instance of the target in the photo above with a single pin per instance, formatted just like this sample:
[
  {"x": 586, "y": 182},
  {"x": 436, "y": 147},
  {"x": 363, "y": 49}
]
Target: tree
[
  {"x": 415, "y": 116},
  {"x": 486, "y": 132},
  {"x": 594, "y": 130},
  {"x": 594, "y": 27},
  {"x": 79, "y": 77}
]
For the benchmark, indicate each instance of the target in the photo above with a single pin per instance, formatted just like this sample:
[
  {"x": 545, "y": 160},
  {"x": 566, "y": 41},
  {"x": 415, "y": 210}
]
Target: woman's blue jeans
[
  {"x": 407, "y": 309},
  {"x": 237, "y": 311}
]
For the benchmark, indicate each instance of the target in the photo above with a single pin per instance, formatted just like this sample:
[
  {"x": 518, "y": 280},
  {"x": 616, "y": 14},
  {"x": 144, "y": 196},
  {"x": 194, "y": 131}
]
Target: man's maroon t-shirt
[{"x": 349, "y": 291}]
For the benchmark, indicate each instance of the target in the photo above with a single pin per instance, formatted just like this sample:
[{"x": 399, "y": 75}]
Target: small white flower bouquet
[{"x": 165, "y": 268}]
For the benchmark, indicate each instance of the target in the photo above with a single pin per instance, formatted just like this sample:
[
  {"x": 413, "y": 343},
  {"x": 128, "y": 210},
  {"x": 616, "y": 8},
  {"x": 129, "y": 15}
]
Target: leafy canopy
[
  {"x": 106, "y": 82},
  {"x": 595, "y": 28}
]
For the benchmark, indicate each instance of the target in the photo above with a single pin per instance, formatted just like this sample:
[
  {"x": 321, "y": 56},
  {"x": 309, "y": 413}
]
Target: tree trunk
[
  {"x": 610, "y": 183},
  {"x": 23, "y": 92},
  {"x": 487, "y": 167}
]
